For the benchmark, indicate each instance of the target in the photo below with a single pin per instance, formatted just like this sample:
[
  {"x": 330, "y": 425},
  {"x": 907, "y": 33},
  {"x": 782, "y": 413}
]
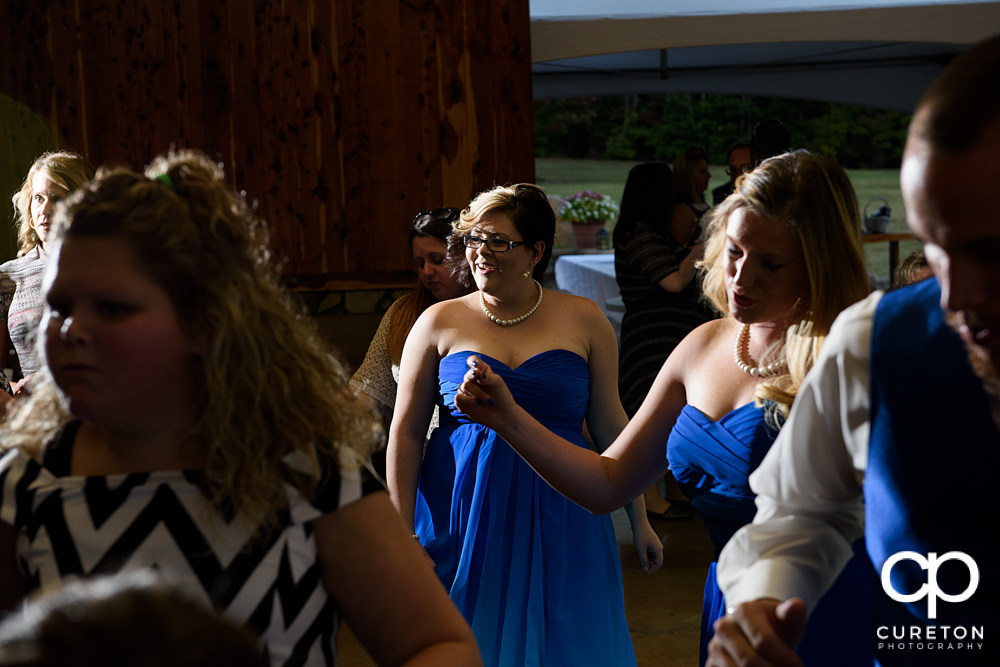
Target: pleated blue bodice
[{"x": 536, "y": 575}]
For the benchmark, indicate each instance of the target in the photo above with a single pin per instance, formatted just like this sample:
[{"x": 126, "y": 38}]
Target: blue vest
[{"x": 931, "y": 486}]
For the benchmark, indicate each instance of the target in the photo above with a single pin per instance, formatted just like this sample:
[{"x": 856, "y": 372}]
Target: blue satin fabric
[
  {"x": 535, "y": 575},
  {"x": 712, "y": 462}
]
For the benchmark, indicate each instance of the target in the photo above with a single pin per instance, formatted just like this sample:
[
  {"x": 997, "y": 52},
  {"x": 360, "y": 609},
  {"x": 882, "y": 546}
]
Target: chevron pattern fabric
[{"x": 81, "y": 526}]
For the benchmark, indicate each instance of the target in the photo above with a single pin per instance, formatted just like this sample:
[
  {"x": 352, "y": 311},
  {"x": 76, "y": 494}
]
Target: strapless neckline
[
  {"x": 702, "y": 417},
  {"x": 534, "y": 357},
  {"x": 508, "y": 547}
]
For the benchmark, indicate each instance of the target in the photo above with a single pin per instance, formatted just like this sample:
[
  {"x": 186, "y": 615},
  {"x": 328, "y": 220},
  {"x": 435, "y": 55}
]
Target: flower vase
[{"x": 586, "y": 233}]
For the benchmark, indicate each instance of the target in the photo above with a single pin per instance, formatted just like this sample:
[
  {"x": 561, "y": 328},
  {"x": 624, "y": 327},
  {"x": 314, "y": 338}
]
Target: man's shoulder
[{"x": 851, "y": 331}]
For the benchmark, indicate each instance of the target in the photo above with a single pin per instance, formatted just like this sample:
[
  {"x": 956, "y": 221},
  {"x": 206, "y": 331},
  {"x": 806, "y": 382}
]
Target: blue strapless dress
[
  {"x": 535, "y": 575},
  {"x": 712, "y": 462}
]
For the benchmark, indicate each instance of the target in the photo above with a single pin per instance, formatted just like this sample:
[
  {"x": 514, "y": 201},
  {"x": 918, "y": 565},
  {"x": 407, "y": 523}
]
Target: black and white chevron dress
[{"x": 79, "y": 526}]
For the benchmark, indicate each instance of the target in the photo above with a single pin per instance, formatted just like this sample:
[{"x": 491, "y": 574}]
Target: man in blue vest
[{"x": 895, "y": 433}]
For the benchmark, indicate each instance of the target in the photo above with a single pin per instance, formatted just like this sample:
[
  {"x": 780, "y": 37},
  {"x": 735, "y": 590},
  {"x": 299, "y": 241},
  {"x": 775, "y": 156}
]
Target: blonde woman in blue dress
[{"x": 782, "y": 260}]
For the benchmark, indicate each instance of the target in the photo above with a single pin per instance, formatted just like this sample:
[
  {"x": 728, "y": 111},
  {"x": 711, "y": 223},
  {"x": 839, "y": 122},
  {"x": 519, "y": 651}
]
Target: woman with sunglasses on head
[
  {"x": 536, "y": 575},
  {"x": 376, "y": 379},
  {"x": 782, "y": 260}
]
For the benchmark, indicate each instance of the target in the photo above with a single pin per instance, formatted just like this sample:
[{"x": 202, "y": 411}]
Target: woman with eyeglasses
[
  {"x": 536, "y": 575},
  {"x": 783, "y": 258}
]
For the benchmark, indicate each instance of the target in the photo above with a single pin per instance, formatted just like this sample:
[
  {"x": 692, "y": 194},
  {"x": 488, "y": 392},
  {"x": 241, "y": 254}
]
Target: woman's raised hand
[{"x": 483, "y": 395}]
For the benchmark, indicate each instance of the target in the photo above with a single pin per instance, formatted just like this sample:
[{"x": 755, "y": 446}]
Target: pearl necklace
[
  {"x": 743, "y": 340},
  {"x": 507, "y": 323}
]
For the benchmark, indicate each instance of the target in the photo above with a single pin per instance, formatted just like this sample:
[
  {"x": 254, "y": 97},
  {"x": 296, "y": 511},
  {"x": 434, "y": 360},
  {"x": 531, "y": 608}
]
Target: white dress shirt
[{"x": 809, "y": 497}]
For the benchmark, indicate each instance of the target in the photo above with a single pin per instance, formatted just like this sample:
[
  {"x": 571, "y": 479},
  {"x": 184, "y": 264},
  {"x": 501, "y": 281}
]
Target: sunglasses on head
[{"x": 445, "y": 213}]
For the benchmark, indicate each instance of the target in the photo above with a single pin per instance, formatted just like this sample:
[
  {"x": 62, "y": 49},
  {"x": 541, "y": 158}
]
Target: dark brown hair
[
  {"x": 648, "y": 198},
  {"x": 684, "y": 167},
  {"x": 436, "y": 224},
  {"x": 129, "y": 620}
]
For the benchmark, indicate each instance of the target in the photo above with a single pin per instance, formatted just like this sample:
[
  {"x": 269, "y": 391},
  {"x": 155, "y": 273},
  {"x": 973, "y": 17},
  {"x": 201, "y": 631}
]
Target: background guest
[
  {"x": 656, "y": 276},
  {"x": 739, "y": 162},
  {"x": 376, "y": 379},
  {"x": 770, "y": 137},
  {"x": 691, "y": 178},
  {"x": 912, "y": 269},
  {"x": 52, "y": 177}
]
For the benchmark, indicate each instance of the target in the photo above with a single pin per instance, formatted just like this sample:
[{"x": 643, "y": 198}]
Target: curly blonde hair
[
  {"x": 814, "y": 197},
  {"x": 268, "y": 386},
  {"x": 66, "y": 169}
]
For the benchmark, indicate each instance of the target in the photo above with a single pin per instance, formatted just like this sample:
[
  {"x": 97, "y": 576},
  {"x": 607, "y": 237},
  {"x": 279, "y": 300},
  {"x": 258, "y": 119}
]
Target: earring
[{"x": 527, "y": 274}]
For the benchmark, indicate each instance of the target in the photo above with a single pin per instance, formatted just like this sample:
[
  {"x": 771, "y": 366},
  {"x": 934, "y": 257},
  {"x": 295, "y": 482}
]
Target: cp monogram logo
[{"x": 930, "y": 590}]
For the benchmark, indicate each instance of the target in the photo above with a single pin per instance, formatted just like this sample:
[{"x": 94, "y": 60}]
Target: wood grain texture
[{"x": 343, "y": 119}]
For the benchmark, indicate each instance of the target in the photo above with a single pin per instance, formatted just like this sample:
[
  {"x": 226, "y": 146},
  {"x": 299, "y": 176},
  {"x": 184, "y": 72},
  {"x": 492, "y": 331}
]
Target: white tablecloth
[{"x": 591, "y": 276}]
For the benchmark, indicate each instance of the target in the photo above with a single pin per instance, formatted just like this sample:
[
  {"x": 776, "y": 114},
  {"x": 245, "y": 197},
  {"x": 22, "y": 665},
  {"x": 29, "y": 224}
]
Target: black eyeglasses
[
  {"x": 736, "y": 171},
  {"x": 445, "y": 213},
  {"x": 494, "y": 244}
]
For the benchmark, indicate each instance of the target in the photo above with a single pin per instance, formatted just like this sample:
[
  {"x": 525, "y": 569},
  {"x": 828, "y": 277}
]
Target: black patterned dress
[
  {"x": 655, "y": 320},
  {"x": 82, "y": 526}
]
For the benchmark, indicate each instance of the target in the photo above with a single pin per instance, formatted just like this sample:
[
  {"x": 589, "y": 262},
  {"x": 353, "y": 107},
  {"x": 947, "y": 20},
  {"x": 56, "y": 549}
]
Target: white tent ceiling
[{"x": 880, "y": 53}]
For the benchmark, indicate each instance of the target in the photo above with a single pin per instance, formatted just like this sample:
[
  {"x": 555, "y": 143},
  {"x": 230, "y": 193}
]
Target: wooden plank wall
[{"x": 342, "y": 118}]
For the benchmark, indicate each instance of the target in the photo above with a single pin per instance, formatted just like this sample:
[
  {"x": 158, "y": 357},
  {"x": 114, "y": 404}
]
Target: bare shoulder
[
  {"x": 711, "y": 332},
  {"x": 703, "y": 340},
  {"x": 449, "y": 310},
  {"x": 579, "y": 314},
  {"x": 574, "y": 306}
]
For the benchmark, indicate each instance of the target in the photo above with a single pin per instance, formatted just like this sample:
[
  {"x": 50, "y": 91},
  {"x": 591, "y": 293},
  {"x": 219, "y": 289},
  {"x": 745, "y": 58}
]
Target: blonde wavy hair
[
  {"x": 66, "y": 169},
  {"x": 268, "y": 386},
  {"x": 814, "y": 197}
]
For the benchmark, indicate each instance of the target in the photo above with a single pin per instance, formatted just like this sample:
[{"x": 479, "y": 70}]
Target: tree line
[{"x": 658, "y": 127}]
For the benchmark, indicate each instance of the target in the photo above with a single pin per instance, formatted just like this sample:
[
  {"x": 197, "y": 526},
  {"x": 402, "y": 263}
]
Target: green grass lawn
[{"x": 565, "y": 176}]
